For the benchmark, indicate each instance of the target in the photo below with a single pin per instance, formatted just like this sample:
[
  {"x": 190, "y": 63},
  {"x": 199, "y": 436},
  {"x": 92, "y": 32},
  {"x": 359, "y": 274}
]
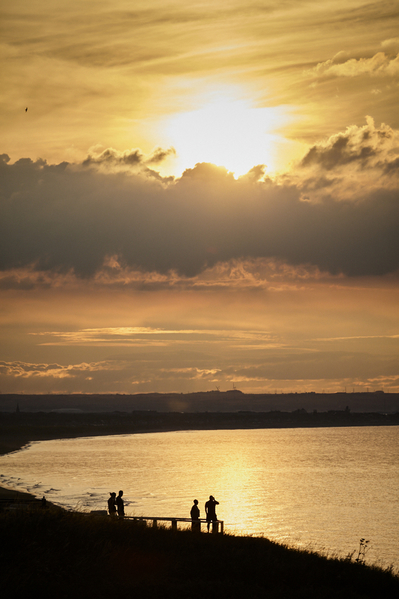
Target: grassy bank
[{"x": 67, "y": 555}]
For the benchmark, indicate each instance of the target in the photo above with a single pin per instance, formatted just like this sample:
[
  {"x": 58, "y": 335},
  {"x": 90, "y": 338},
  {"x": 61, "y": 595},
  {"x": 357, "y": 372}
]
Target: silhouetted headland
[
  {"x": 210, "y": 401},
  {"x": 25, "y": 418}
]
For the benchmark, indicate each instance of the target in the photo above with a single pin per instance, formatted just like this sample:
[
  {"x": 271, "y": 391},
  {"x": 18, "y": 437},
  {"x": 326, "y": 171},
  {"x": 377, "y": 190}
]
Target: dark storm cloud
[{"x": 68, "y": 218}]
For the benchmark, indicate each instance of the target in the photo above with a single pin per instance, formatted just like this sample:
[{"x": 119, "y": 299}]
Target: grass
[{"x": 70, "y": 555}]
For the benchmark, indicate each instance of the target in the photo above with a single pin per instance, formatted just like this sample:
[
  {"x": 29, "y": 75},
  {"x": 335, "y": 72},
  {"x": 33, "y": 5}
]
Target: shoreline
[
  {"x": 9, "y": 495},
  {"x": 18, "y": 444},
  {"x": 13, "y": 496},
  {"x": 18, "y": 430},
  {"x": 12, "y": 438},
  {"x": 9, "y": 447}
]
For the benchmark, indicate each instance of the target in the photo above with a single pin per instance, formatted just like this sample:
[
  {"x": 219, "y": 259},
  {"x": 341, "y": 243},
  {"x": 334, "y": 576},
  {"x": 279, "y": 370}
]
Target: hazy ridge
[{"x": 212, "y": 401}]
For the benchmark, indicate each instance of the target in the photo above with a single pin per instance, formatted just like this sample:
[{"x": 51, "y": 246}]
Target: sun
[{"x": 226, "y": 130}]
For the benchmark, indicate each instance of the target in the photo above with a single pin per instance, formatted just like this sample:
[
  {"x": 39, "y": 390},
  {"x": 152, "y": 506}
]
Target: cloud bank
[
  {"x": 76, "y": 218},
  {"x": 341, "y": 66}
]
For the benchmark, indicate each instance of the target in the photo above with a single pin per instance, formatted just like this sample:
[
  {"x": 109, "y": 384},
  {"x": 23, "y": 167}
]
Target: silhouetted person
[
  {"x": 210, "y": 510},
  {"x": 195, "y": 515},
  {"x": 44, "y": 502},
  {"x": 120, "y": 505},
  {"x": 112, "y": 504}
]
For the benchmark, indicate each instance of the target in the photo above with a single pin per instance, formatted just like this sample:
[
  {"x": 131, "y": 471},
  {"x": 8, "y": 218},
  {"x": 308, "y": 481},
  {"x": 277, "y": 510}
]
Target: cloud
[
  {"x": 26, "y": 370},
  {"x": 269, "y": 370},
  {"x": 19, "y": 376},
  {"x": 129, "y": 158},
  {"x": 70, "y": 219},
  {"x": 251, "y": 274},
  {"x": 378, "y": 65},
  {"x": 151, "y": 337},
  {"x": 365, "y": 147},
  {"x": 391, "y": 45}
]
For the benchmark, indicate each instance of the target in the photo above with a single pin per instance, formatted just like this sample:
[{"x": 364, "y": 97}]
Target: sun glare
[{"x": 227, "y": 131}]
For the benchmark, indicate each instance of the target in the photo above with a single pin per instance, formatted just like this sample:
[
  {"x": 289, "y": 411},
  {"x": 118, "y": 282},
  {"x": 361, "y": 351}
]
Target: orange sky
[{"x": 199, "y": 196}]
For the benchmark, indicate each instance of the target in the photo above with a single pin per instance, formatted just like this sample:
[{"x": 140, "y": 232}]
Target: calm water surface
[{"x": 323, "y": 488}]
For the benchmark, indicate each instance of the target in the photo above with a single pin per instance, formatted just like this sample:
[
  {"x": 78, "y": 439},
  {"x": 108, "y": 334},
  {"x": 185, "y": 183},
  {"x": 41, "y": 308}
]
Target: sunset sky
[{"x": 199, "y": 195}]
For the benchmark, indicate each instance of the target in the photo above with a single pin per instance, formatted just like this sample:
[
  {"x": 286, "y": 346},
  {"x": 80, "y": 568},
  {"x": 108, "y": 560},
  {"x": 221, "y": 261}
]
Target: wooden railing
[{"x": 217, "y": 526}]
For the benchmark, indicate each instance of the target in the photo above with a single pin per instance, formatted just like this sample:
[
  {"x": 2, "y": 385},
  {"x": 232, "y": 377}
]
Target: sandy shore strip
[
  {"x": 9, "y": 497},
  {"x": 12, "y": 496}
]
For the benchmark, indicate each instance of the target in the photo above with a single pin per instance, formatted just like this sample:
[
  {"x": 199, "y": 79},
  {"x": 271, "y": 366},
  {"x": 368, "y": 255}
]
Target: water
[{"x": 322, "y": 488}]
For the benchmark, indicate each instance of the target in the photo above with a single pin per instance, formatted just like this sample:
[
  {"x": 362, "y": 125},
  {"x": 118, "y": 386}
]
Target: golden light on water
[{"x": 301, "y": 486}]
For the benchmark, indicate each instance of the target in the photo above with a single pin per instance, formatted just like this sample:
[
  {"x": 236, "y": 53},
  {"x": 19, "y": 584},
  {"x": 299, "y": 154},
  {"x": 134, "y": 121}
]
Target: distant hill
[{"x": 211, "y": 401}]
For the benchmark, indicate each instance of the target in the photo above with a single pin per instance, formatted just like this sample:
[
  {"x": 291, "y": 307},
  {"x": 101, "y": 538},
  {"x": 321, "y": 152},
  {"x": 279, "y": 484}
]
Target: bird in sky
[{"x": 26, "y": 110}]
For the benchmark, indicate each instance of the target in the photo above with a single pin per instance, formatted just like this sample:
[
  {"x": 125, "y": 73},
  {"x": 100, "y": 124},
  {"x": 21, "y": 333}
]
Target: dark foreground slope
[{"x": 59, "y": 554}]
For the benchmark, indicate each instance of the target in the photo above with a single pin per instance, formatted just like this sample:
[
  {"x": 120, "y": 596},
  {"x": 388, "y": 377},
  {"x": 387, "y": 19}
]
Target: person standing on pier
[
  {"x": 120, "y": 505},
  {"x": 195, "y": 515},
  {"x": 210, "y": 510},
  {"x": 111, "y": 504}
]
